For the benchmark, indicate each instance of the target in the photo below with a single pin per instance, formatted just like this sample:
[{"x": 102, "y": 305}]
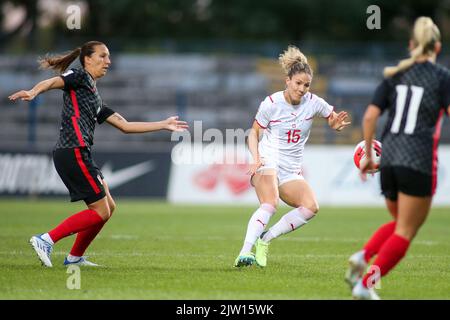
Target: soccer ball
[{"x": 359, "y": 155}]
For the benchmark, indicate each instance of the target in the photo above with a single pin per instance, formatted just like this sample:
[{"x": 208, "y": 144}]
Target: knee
[
  {"x": 112, "y": 207},
  {"x": 104, "y": 214},
  {"x": 312, "y": 207},
  {"x": 270, "y": 206},
  {"x": 103, "y": 208},
  {"x": 309, "y": 210},
  {"x": 407, "y": 233}
]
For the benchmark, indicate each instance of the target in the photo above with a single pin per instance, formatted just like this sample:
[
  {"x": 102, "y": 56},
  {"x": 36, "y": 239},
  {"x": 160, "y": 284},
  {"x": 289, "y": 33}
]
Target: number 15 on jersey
[{"x": 293, "y": 136}]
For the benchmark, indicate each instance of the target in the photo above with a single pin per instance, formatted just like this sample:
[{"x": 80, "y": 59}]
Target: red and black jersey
[
  {"x": 416, "y": 100},
  {"x": 83, "y": 106}
]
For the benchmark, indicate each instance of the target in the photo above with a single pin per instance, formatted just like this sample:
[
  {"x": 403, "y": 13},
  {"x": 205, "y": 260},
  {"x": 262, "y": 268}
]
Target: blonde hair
[
  {"x": 293, "y": 61},
  {"x": 425, "y": 35}
]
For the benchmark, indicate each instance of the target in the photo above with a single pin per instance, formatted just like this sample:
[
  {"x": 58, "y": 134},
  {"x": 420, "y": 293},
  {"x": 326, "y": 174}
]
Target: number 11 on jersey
[{"x": 414, "y": 104}]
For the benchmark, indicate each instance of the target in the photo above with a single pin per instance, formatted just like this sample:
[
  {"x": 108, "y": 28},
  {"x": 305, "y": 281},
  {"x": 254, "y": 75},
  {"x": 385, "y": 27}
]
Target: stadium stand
[{"x": 223, "y": 92}]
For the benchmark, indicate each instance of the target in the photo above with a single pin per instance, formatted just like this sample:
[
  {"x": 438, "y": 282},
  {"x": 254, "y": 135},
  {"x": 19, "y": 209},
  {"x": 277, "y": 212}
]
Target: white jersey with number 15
[{"x": 287, "y": 128}]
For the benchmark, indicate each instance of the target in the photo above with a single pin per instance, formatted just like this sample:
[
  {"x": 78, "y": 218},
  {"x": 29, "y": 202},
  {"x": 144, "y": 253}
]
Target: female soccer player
[
  {"x": 83, "y": 106},
  {"x": 416, "y": 93},
  {"x": 284, "y": 120}
]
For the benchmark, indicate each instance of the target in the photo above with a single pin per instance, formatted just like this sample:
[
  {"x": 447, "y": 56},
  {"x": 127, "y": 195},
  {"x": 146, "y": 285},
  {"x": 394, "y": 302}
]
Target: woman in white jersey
[{"x": 284, "y": 120}]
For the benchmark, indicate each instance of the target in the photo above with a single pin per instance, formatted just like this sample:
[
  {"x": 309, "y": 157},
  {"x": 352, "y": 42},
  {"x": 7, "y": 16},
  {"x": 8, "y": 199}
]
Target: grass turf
[{"x": 155, "y": 250}]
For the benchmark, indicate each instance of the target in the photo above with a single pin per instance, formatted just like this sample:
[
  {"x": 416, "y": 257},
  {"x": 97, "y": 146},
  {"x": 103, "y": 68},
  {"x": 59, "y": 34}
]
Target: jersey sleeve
[
  {"x": 104, "y": 114},
  {"x": 323, "y": 109},
  {"x": 445, "y": 92},
  {"x": 263, "y": 115},
  {"x": 380, "y": 97},
  {"x": 72, "y": 79}
]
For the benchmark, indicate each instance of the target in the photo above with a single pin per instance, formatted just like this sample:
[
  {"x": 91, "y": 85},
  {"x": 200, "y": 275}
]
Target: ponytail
[
  {"x": 293, "y": 61},
  {"x": 59, "y": 62},
  {"x": 425, "y": 35}
]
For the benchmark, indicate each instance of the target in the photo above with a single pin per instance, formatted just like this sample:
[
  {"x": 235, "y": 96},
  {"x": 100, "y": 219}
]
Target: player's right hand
[
  {"x": 366, "y": 167},
  {"x": 23, "y": 95},
  {"x": 255, "y": 166}
]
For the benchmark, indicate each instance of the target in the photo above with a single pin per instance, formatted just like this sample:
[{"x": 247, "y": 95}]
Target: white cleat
[
  {"x": 355, "y": 271},
  {"x": 360, "y": 292},
  {"x": 43, "y": 249},
  {"x": 80, "y": 262}
]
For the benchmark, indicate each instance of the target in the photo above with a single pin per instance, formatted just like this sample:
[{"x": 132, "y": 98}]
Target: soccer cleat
[
  {"x": 360, "y": 292},
  {"x": 262, "y": 234},
  {"x": 43, "y": 249},
  {"x": 262, "y": 249},
  {"x": 244, "y": 260},
  {"x": 80, "y": 262},
  {"x": 355, "y": 271}
]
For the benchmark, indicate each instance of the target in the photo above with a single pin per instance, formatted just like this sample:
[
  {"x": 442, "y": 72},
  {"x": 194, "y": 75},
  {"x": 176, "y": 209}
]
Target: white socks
[
  {"x": 256, "y": 226},
  {"x": 292, "y": 220}
]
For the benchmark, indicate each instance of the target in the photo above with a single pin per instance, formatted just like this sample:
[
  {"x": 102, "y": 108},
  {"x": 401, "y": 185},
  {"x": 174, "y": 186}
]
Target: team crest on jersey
[{"x": 65, "y": 74}]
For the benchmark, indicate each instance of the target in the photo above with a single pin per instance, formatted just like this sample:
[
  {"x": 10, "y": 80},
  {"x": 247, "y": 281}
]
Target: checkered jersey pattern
[
  {"x": 416, "y": 150},
  {"x": 83, "y": 107}
]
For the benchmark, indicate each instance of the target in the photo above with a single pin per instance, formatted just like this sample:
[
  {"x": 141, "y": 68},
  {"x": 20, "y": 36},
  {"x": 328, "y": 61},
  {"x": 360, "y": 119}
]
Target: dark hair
[{"x": 62, "y": 62}]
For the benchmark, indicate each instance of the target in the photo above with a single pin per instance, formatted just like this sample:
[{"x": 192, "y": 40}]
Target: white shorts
[{"x": 284, "y": 175}]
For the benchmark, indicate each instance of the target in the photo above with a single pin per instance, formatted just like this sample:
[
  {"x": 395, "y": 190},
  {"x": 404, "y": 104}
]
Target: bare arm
[
  {"x": 171, "y": 124},
  {"x": 52, "y": 83},
  {"x": 337, "y": 121},
  {"x": 448, "y": 110},
  {"x": 253, "y": 140},
  {"x": 369, "y": 126}
]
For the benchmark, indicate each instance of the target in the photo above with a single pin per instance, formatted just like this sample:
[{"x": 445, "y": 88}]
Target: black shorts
[
  {"x": 405, "y": 180},
  {"x": 79, "y": 173}
]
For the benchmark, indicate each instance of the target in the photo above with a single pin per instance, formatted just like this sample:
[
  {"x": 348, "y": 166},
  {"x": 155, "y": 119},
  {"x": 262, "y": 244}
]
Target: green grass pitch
[{"x": 155, "y": 250}]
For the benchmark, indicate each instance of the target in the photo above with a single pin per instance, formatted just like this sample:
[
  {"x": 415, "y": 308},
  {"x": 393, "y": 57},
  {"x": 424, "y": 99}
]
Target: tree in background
[
  {"x": 140, "y": 21},
  {"x": 28, "y": 22}
]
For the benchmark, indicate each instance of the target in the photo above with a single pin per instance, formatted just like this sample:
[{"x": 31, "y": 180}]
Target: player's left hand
[
  {"x": 173, "y": 124},
  {"x": 338, "y": 121}
]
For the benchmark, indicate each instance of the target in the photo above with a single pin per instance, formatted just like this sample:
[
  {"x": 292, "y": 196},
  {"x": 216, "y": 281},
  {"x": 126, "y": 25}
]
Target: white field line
[
  {"x": 153, "y": 254},
  {"x": 298, "y": 238},
  {"x": 294, "y": 239},
  {"x": 121, "y": 237}
]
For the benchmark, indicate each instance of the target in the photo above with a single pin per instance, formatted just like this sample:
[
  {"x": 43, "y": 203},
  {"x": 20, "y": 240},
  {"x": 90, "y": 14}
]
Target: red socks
[
  {"x": 85, "y": 238},
  {"x": 390, "y": 253},
  {"x": 378, "y": 238},
  {"x": 76, "y": 223}
]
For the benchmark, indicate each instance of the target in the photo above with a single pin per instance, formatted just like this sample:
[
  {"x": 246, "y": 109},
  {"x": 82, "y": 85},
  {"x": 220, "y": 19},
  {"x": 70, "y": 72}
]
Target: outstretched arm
[
  {"x": 171, "y": 124},
  {"x": 337, "y": 121},
  {"x": 52, "y": 83}
]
